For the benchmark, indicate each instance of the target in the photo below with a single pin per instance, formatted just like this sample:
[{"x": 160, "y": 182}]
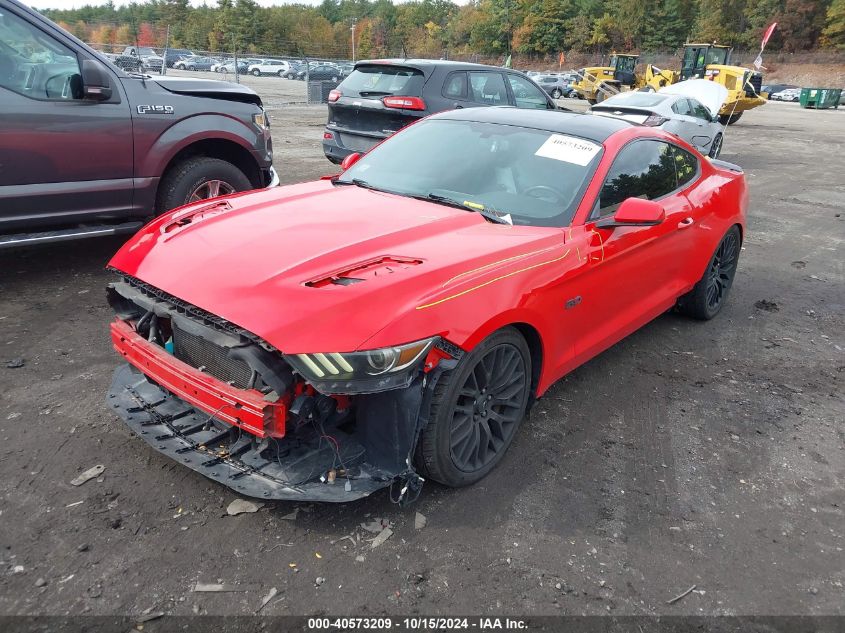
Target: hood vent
[
  {"x": 202, "y": 212},
  {"x": 365, "y": 271}
]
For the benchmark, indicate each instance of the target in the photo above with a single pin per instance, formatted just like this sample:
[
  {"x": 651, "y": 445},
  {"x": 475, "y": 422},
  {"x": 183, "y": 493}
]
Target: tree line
[{"x": 435, "y": 28}]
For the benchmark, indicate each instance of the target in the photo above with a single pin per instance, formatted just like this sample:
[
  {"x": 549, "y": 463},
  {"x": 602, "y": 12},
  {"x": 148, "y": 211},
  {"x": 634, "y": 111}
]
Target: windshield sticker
[{"x": 568, "y": 149}]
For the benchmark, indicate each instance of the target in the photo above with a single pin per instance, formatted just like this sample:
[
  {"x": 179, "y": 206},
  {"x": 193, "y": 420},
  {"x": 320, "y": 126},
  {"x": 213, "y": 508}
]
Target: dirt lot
[{"x": 707, "y": 454}]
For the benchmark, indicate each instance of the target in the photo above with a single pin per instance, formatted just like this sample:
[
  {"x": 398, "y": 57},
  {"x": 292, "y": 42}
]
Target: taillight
[
  {"x": 334, "y": 95},
  {"x": 404, "y": 103},
  {"x": 328, "y": 136},
  {"x": 655, "y": 120}
]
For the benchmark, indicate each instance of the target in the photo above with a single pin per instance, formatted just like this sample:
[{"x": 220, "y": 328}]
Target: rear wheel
[
  {"x": 255, "y": 72},
  {"x": 708, "y": 296},
  {"x": 572, "y": 95},
  {"x": 716, "y": 146},
  {"x": 198, "y": 179},
  {"x": 557, "y": 93},
  {"x": 281, "y": 73},
  {"x": 475, "y": 411}
]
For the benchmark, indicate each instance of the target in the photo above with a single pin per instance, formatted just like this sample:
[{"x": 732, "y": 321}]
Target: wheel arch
[
  {"x": 223, "y": 149},
  {"x": 529, "y": 331}
]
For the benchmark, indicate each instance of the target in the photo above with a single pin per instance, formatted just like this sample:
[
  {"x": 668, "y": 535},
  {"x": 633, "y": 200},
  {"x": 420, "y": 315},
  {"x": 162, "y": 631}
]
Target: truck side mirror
[{"x": 95, "y": 81}]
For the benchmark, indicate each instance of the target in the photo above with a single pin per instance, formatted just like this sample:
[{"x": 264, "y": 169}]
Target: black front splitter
[{"x": 196, "y": 440}]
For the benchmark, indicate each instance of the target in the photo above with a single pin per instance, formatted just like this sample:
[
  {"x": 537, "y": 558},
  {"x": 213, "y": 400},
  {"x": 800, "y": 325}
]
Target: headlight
[
  {"x": 261, "y": 120},
  {"x": 362, "y": 372}
]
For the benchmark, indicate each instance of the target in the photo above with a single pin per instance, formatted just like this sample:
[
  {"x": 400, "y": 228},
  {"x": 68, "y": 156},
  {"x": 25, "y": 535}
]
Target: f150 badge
[{"x": 155, "y": 109}]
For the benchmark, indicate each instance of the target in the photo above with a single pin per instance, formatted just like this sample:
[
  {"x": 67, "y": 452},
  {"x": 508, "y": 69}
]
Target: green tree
[{"x": 833, "y": 35}]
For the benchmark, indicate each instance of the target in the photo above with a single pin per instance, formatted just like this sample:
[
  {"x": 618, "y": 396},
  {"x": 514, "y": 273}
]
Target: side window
[
  {"x": 698, "y": 110},
  {"x": 34, "y": 64},
  {"x": 686, "y": 165},
  {"x": 455, "y": 86},
  {"x": 681, "y": 106},
  {"x": 488, "y": 88},
  {"x": 526, "y": 94},
  {"x": 643, "y": 169}
]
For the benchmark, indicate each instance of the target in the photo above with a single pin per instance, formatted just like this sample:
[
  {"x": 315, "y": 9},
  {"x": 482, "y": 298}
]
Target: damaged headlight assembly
[{"x": 368, "y": 371}]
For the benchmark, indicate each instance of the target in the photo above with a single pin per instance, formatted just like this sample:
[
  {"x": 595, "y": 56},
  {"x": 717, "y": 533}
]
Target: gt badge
[{"x": 155, "y": 109}]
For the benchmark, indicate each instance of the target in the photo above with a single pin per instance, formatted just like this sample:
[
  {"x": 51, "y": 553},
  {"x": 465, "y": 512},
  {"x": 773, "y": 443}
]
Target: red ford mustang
[{"x": 324, "y": 340}]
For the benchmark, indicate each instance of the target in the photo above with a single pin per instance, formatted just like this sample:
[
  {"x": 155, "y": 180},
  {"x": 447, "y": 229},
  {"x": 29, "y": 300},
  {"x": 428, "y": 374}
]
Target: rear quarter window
[{"x": 383, "y": 80}]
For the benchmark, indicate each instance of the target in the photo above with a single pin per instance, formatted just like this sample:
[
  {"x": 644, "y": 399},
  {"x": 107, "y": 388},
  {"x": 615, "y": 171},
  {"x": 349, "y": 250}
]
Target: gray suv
[
  {"x": 379, "y": 97},
  {"x": 88, "y": 149}
]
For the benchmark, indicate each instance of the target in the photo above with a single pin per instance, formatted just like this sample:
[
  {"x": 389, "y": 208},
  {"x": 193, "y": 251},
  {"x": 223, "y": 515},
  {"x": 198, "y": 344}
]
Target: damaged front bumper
[
  {"x": 217, "y": 450},
  {"x": 377, "y": 455}
]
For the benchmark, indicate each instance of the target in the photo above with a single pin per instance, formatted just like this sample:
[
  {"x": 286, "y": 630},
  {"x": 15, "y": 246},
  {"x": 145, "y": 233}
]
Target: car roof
[
  {"x": 594, "y": 128},
  {"x": 431, "y": 63}
]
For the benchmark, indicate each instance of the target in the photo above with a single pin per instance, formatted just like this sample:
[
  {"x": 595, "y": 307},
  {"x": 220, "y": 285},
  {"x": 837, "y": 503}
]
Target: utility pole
[
  {"x": 163, "y": 70},
  {"x": 352, "y": 28}
]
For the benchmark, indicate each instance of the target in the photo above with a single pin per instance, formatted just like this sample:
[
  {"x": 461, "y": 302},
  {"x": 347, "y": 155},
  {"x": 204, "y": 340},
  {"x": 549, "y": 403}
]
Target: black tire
[
  {"x": 192, "y": 68},
  {"x": 184, "y": 179},
  {"x": 573, "y": 95},
  {"x": 729, "y": 119},
  {"x": 557, "y": 93},
  {"x": 707, "y": 297},
  {"x": 716, "y": 146},
  {"x": 255, "y": 72},
  {"x": 467, "y": 434}
]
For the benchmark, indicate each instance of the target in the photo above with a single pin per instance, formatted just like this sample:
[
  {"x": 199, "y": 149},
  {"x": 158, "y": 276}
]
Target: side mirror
[
  {"x": 350, "y": 160},
  {"x": 95, "y": 81},
  {"x": 635, "y": 212}
]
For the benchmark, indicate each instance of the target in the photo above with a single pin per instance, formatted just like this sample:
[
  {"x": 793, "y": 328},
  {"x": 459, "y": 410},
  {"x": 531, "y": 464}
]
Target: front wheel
[
  {"x": 556, "y": 93},
  {"x": 475, "y": 411},
  {"x": 572, "y": 95},
  {"x": 198, "y": 179},
  {"x": 707, "y": 297},
  {"x": 255, "y": 72}
]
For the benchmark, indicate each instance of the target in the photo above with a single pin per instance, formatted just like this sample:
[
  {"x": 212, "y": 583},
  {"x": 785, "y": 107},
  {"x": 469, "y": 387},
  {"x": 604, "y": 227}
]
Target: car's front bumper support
[{"x": 388, "y": 425}]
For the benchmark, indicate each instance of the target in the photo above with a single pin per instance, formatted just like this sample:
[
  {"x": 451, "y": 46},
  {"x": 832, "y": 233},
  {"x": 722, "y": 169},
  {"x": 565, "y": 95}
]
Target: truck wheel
[
  {"x": 475, "y": 411},
  {"x": 729, "y": 119},
  {"x": 197, "y": 179}
]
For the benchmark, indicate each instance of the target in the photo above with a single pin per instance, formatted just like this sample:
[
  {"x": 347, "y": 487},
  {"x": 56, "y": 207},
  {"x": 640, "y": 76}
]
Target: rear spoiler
[{"x": 722, "y": 164}]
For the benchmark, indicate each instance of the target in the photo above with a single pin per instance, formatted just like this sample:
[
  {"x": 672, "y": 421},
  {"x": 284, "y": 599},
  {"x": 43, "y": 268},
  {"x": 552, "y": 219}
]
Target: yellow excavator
[{"x": 700, "y": 61}]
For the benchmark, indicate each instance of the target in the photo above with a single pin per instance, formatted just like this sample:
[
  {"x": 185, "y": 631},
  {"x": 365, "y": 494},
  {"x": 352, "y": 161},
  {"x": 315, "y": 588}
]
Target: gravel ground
[{"x": 707, "y": 454}]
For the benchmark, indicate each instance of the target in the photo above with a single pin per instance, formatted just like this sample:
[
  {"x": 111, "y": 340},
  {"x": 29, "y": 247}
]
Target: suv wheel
[
  {"x": 255, "y": 72},
  {"x": 198, "y": 179},
  {"x": 557, "y": 93},
  {"x": 281, "y": 73}
]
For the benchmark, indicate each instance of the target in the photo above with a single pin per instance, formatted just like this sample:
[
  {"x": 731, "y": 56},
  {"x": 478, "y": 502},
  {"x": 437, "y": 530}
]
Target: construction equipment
[
  {"x": 713, "y": 62},
  {"x": 596, "y": 83},
  {"x": 700, "y": 61}
]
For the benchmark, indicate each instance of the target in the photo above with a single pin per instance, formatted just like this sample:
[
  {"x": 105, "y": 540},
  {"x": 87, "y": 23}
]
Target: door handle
[{"x": 686, "y": 223}]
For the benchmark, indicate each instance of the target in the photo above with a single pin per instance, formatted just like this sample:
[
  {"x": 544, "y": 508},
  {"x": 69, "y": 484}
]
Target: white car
[
  {"x": 790, "y": 94},
  {"x": 269, "y": 67},
  {"x": 689, "y": 109}
]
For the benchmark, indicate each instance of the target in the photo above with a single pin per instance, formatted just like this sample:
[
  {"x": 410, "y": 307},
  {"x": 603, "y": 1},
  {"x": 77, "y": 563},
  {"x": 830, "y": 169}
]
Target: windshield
[
  {"x": 634, "y": 100},
  {"x": 536, "y": 176},
  {"x": 383, "y": 80}
]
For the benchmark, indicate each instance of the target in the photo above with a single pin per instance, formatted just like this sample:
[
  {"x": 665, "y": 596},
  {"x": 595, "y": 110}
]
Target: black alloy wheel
[
  {"x": 707, "y": 297},
  {"x": 716, "y": 147},
  {"x": 476, "y": 410},
  {"x": 722, "y": 270}
]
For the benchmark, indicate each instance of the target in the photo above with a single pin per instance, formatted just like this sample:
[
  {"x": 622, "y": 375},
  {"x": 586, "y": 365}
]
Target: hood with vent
[{"x": 315, "y": 266}]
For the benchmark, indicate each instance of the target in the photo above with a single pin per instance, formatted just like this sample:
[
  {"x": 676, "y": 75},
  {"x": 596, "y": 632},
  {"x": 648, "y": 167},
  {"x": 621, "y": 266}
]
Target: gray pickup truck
[{"x": 87, "y": 149}]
